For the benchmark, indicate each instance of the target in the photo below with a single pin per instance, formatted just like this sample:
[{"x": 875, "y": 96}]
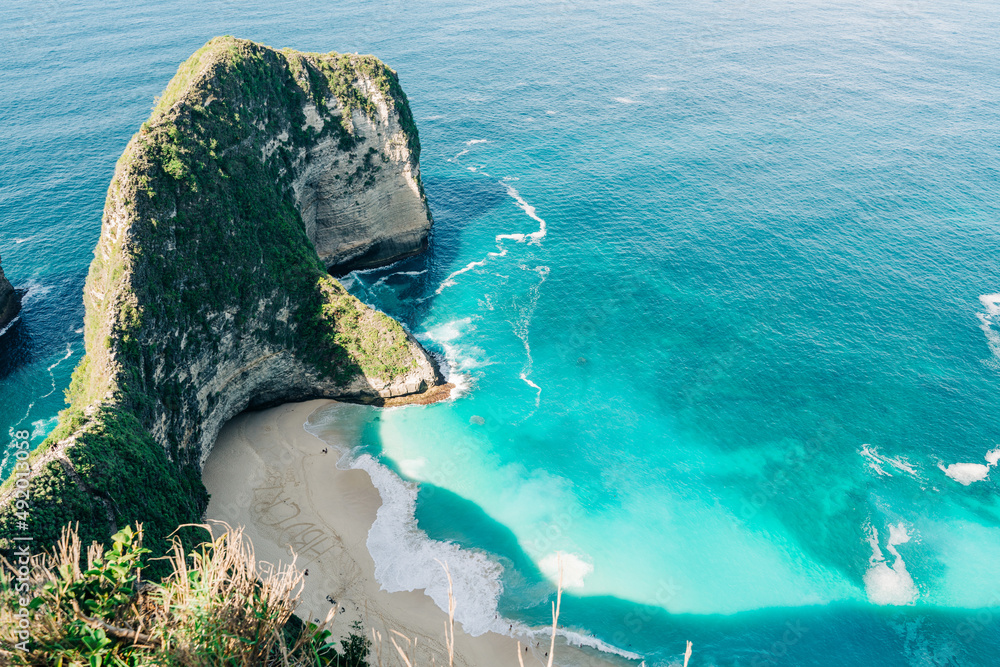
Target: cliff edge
[
  {"x": 209, "y": 291},
  {"x": 10, "y": 301}
]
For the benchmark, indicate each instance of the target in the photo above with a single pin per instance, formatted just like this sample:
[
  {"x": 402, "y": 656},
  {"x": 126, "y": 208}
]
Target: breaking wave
[{"x": 885, "y": 583}]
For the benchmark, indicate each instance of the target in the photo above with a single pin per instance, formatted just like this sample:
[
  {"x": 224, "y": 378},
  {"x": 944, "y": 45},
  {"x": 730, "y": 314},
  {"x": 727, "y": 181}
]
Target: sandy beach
[{"x": 268, "y": 474}]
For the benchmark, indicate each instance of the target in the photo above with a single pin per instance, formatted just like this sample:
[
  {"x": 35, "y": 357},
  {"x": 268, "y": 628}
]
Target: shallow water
[{"x": 728, "y": 373}]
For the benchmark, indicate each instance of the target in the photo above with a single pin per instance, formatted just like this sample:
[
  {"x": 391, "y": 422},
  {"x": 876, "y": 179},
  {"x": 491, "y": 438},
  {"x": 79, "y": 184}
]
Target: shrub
[{"x": 218, "y": 606}]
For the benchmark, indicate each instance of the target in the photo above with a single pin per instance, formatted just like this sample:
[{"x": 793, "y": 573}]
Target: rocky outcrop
[
  {"x": 10, "y": 301},
  {"x": 366, "y": 209},
  {"x": 209, "y": 292}
]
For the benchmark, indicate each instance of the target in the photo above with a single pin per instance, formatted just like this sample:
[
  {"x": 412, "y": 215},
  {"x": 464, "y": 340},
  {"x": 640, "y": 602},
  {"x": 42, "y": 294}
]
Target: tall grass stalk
[{"x": 218, "y": 606}]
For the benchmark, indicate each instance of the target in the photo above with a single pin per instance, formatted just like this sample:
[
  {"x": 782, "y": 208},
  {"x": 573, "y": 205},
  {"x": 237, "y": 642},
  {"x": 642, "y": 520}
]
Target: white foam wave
[
  {"x": 991, "y": 302},
  {"x": 878, "y": 463},
  {"x": 993, "y": 456},
  {"x": 625, "y": 100},
  {"x": 501, "y": 251},
  {"x": 528, "y": 381},
  {"x": 967, "y": 473},
  {"x": 34, "y": 290},
  {"x": 888, "y": 584},
  {"x": 10, "y": 324},
  {"x": 572, "y": 568},
  {"x": 580, "y": 639},
  {"x": 381, "y": 281},
  {"x": 458, "y": 155},
  {"x": 407, "y": 560},
  {"x": 69, "y": 353},
  {"x": 43, "y": 427},
  {"x": 473, "y": 142},
  {"x": 522, "y": 329},
  {"x": 532, "y": 213},
  {"x": 541, "y": 636},
  {"x": 458, "y": 361}
]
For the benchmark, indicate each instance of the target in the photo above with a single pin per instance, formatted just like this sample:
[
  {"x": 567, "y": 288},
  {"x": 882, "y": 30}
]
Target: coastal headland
[{"x": 258, "y": 172}]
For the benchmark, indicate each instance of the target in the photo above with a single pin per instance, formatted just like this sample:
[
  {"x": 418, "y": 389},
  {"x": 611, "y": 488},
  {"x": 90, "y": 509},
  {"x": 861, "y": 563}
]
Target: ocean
[{"x": 718, "y": 284}]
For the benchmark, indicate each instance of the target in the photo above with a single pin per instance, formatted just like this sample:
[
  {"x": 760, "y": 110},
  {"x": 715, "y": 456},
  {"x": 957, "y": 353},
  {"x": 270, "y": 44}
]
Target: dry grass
[{"x": 219, "y": 606}]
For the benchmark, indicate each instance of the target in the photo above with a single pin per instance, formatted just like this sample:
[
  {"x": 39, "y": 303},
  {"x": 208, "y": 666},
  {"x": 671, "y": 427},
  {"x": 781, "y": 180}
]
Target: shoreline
[{"x": 270, "y": 475}]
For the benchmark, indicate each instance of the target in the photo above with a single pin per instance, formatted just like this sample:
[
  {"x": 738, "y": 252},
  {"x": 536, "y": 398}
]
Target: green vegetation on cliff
[
  {"x": 203, "y": 276},
  {"x": 217, "y": 606}
]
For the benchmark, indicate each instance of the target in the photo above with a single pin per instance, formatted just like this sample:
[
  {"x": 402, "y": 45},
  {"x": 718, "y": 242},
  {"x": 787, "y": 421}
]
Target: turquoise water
[{"x": 727, "y": 373}]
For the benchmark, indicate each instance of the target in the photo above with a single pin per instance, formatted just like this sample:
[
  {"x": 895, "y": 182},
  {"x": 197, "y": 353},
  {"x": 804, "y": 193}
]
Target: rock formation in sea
[
  {"x": 10, "y": 301},
  {"x": 209, "y": 291}
]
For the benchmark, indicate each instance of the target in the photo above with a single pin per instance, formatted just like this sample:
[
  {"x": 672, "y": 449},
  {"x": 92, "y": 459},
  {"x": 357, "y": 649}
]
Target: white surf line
[
  {"x": 470, "y": 142},
  {"x": 27, "y": 413},
  {"x": 524, "y": 331},
  {"x": 533, "y": 237},
  {"x": 532, "y": 213},
  {"x": 69, "y": 353},
  {"x": 986, "y": 320},
  {"x": 381, "y": 281},
  {"x": 543, "y": 271},
  {"x": 878, "y": 462},
  {"x": 9, "y": 325}
]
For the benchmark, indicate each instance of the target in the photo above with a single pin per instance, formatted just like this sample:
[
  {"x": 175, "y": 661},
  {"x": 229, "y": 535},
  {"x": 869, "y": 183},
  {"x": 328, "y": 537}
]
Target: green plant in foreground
[{"x": 218, "y": 606}]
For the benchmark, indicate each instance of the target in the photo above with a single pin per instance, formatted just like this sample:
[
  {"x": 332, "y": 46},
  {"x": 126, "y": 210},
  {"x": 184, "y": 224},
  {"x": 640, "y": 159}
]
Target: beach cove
[{"x": 270, "y": 475}]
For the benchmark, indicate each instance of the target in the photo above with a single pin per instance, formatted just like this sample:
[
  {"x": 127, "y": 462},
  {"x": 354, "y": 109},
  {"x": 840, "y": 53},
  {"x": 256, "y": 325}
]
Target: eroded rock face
[
  {"x": 370, "y": 210},
  {"x": 10, "y": 301}
]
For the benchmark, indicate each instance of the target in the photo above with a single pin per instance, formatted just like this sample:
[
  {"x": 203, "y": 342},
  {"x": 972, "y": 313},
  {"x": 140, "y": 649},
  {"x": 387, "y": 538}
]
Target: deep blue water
[{"x": 725, "y": 381}]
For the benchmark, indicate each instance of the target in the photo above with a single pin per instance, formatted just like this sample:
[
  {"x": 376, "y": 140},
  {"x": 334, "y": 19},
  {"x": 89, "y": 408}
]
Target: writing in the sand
[{"x": 278, "y": 511}]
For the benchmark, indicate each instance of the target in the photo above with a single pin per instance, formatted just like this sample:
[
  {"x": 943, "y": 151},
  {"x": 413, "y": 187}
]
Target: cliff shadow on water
[
  {"x": 257, "y": 172},
  {"x": 38, "y": 332}
]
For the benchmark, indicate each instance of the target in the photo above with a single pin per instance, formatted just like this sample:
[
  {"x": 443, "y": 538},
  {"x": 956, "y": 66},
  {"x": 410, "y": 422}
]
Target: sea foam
[
  {"x": 967, "y": 473},
  {"x": 986, "y": 321},
  {"x": 406, "y": 559},
  {"x": 572, "y": 569},
  {"x": 881, "y": 464},
  {"x": 888, "y": 584},
  {"x": 501, "y": 251},
  {"x": 457, "y": 362},
  {"x": 9, "y": 325}
]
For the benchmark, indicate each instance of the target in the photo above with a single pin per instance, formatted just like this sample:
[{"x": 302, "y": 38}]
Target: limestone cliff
[
  {"x": 10, "y": 301},
  {"x": 257, "y": 170}
]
